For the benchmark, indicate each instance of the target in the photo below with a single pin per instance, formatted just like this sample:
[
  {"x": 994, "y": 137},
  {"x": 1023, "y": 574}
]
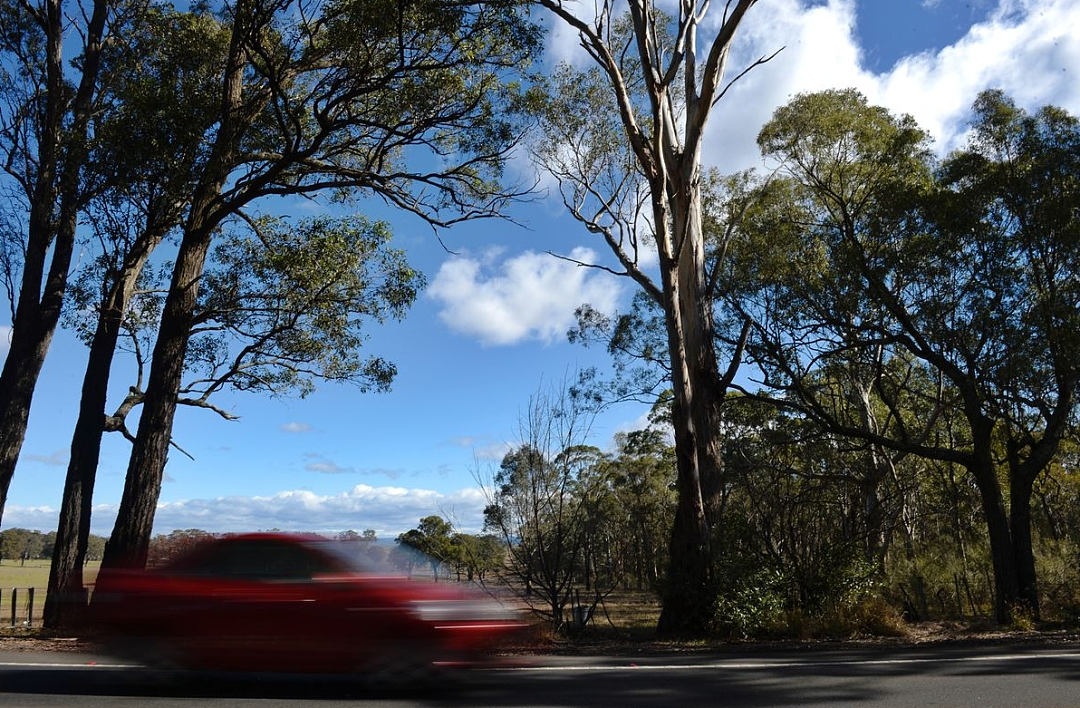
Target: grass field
[{"x": 15, "y": 575}]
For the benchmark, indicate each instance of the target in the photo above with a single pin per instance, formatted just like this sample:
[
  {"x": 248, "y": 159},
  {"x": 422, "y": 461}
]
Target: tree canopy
[{"x": 934, "y": 298}]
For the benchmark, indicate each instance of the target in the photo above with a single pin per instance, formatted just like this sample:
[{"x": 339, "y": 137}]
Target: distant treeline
[
  {"x": 17, "y": 544},
  {"x": 20, "y": 544}
]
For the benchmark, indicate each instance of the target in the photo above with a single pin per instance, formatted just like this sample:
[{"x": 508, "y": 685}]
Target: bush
[
  {"x": 1058, "y": 570},
  {"x": 755, "y": 609}
]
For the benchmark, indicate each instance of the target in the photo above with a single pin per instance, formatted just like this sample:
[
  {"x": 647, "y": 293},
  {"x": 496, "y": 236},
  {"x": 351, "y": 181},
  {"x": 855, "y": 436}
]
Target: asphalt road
[{"x": 979, "y": 676}]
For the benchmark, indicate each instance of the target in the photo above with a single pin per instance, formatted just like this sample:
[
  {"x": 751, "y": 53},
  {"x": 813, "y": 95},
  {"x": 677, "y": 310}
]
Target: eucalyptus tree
[
  {"x": 624, "y": 140},
  {"x": 285, "y": 305},
  {"x": 408, "y": 101},
  {"x": 432, "y": 537},
  {"x": 1011, "y": 203},
  {"x": 47, "y": 104},
  {"x": 146, "y": 153},
  {"x": 477, "y": 555},
  {"x": 963, "y": 278},
  {"x": 639, "y": 502}
]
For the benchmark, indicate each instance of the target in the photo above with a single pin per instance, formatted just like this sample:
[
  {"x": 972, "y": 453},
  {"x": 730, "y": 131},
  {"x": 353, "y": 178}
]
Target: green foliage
[
  {"x": 474, "y": 557},
  {"x": 576, "y": 523},
  {"x": 432, "y": 539},
  {"x": 287, "y": 304},
  {"x": 164, "y": 87},
  {"x": 1059, "y": 580},
  {"x": 15, "y": 544},
  {"x": 39, "y": 546},
  {"x": 755, "y": 608},
  {"x": 927, "y": 310}
]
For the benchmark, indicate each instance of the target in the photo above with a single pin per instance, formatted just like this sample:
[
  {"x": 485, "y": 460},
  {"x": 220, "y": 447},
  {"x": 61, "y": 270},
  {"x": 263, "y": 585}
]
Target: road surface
[{"x": 955, "y": 676}]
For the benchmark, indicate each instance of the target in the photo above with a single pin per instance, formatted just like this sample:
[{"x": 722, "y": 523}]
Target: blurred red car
[{"x": 289, "y": 603}]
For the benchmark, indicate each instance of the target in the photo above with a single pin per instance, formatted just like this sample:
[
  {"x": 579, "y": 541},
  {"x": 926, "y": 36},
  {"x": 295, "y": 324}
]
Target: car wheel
[{"x": 399, "y": 667}]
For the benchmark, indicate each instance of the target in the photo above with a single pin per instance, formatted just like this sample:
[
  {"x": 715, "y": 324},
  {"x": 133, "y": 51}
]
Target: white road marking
[{"x": 750, "y": 665}]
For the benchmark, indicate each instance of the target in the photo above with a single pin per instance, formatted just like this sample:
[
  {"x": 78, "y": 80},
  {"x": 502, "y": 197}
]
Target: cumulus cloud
[
  {"x": 389, "y": 510},
  {"x": 296, "y": 427},
  {"x": 1024, "y": 47},
  {"x": 38, "y": 518},
  {"x": 817, "y": 50},
  {"x": 504, "y": 301}
]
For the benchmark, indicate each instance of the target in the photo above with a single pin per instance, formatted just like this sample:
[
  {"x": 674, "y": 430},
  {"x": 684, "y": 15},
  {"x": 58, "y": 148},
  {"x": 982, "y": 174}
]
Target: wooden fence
[{"x": 20, "y": 607}]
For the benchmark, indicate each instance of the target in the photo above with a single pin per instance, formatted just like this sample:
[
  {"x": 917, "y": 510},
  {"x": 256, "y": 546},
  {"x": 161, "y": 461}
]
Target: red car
[{"x": 288, "y": 603}]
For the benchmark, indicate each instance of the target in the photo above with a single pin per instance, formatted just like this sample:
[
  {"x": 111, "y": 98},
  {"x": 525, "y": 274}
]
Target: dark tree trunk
[
  {"x": 1002, "y": 551},
  {"x": 53, "y": 217},
  {"x": 130, "y": 539},
  {"x": 31, "y": 336},
  {"x": 1020, "y": 525},
  {"x": 1027, "y": 591},
  {"x": 65, "y": 601}
]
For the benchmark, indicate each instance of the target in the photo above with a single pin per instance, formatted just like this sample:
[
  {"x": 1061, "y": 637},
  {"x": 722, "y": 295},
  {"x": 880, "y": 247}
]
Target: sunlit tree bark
[{"x": 625, "y": 142}]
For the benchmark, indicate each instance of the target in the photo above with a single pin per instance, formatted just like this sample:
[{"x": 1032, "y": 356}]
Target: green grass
[{"x": 14, "y": 574}]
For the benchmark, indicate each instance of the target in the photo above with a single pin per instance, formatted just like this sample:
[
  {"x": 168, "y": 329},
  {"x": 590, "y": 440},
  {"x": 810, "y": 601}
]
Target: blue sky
[{"x": 490, "y": 329}]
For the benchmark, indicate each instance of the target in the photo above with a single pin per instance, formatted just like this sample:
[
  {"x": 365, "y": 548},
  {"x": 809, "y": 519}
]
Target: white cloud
[
  {"x": 296, "y": 427},
  {"x": 1026, "y": 48},
  {"x": 493, "y": 452},
  {"x": 388, "y": 510},
  {"x": 5, "y": 339},
  {"x": 529, "y": 296}
]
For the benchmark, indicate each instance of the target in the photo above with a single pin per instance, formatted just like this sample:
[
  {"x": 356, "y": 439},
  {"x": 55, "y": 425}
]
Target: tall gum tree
[
  {"x": 45, "y": 116},
  {"x": 146, "y": 149},
  {"x": 410, "y": 101},
  {"x": 624, "y": 140}
]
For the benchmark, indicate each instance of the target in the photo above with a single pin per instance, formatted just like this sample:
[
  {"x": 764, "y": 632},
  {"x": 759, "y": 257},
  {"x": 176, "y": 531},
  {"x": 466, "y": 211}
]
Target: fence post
[
  {"x": 14, "y": 604},
  {"x": 30, "y": 607}
]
